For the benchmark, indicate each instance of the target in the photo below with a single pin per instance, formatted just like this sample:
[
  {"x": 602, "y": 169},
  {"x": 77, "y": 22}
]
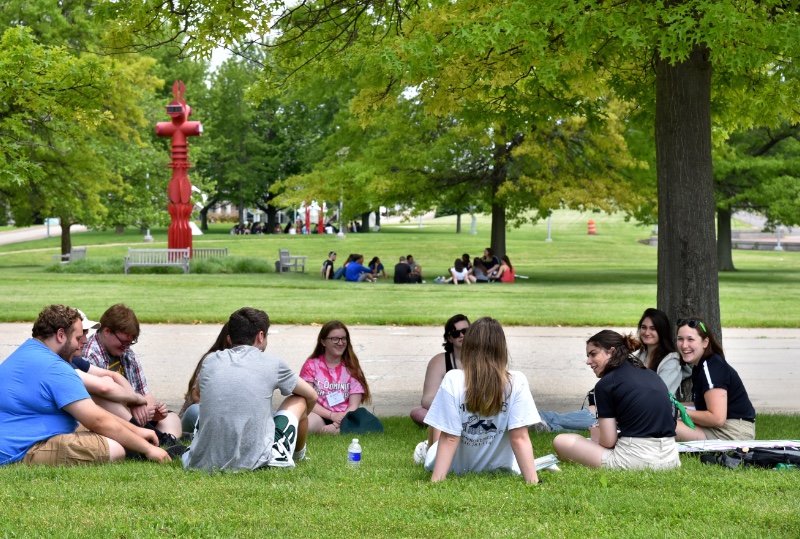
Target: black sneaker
[
  {"x": 175, "y": 451},
  {"x": 165, "y": 439}
]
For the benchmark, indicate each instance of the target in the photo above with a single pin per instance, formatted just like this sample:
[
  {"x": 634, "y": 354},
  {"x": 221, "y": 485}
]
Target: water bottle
[{"x": 354, "y": 454}]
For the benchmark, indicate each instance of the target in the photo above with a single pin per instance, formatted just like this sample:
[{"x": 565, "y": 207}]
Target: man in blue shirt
[{"x": 42, "y": 400}]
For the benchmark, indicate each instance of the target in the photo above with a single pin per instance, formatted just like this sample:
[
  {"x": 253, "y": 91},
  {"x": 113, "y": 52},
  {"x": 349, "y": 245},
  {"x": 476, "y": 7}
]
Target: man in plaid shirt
[{"x": 110, "y": 348}]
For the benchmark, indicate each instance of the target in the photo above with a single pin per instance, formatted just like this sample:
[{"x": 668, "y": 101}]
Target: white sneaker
[
  {"x": 300, "y": 455},
  {"x": 420, "y": 451}
]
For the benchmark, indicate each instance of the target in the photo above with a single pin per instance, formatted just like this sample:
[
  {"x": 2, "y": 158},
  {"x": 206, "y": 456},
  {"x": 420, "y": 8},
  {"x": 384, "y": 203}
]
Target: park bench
[
  {"x": 74, "y": 253},
  {"x": 203, "y": 253},
  {"x": 287, "y": 262},
  {"x": 157, "y": 258}
]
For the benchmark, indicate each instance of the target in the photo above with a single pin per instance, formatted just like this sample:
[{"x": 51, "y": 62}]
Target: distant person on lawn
[
  {"x": 402, "y": 273},
  {"x": 42, "y": 400},
  {"x": 357, "y": 272},
  {"x": 110, "y": 348},
  {"x": 327, "y": 266},
  {"x": 236, "y": 429}
]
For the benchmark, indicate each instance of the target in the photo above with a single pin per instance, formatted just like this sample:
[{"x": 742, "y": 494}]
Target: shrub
[{"x": 229, "y": 264}]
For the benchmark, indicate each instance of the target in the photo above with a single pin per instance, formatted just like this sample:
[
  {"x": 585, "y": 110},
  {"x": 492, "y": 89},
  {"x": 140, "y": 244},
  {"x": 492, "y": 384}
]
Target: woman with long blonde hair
[
  {"x": 483, "y": 411},
  {"x": 334, "y": 372}
]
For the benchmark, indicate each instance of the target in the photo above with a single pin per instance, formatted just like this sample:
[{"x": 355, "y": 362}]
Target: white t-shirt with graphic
[{"x": 485, "y": 444}]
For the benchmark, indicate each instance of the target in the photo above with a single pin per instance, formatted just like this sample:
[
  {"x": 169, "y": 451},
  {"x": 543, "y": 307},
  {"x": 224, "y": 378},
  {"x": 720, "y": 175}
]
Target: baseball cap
[{"x": 87, "y": 324}]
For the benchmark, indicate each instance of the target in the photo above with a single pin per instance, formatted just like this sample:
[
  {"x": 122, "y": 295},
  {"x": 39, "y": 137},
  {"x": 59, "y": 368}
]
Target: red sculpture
[{"x": 180, "y": 189}]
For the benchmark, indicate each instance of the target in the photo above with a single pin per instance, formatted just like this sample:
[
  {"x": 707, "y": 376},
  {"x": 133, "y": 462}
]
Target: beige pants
[
  {"x": 733, "y": 429},
  {"x": 637, "y": 453},
  {"x": 82, "y": 447}
]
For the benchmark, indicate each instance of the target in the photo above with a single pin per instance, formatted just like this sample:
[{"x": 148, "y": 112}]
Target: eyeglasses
[
  {"x": 125, "y": 344},
  {"x": 456, "y": 332},
  {"x": 692, "y": 324},
  {"x": 337, "y": 340}
]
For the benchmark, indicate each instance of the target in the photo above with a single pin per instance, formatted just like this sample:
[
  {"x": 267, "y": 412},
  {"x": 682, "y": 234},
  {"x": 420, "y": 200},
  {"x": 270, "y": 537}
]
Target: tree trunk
[
  {"x": 272, "y": 219},
  {"x": 498, "y": 242},
  {"x": 365, "y": 222},
  {"x": 66, "y": 238},
  {"x": 119, "y": 229},
  {"x": 458, "y": 222},
  {"x": 724, "y": 252},
  {"x": 204, "y": 213},
  {"x": 378, "y": 217},
  {"x": 687, "y": 253}
]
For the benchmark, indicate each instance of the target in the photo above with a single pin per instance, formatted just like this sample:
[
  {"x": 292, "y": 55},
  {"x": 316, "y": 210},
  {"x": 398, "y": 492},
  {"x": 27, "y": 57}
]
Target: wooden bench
[
  {"x": 76, "y": 253},
  {"x": 287, "y": 262},
  {"x": 203, "y": 253},
  {"x": 157, "y": 258}
]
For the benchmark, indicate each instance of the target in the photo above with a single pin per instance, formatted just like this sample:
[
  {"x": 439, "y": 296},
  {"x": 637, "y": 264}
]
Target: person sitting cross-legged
[
  {"x": 42, "y": 400},
  {"x": 236, "y": 429}
]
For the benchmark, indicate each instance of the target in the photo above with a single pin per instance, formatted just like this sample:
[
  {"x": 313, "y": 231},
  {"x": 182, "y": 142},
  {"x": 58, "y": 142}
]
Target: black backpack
[{"x": 762, "y": 457}]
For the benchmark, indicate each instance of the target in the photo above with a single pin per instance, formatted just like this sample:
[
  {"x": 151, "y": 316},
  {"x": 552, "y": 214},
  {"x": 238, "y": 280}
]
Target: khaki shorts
[
  {"x": 70, "y": 449},
  {"x": 637, "y": 453},
  {"x": 733, "y": 429}
]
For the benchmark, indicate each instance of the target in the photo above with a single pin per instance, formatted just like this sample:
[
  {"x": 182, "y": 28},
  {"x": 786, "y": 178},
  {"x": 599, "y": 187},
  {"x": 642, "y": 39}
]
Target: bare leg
[
  {"x": 297, "y": 406},
  {"x": 171, "y": 425},
  {"x": 116, "y": 408},
  {"x": 418, "y": 415},
  {"x": 315, "y": 423},
  {"x": 116, "y": 451},
  {"x": 578, "y": 449}
]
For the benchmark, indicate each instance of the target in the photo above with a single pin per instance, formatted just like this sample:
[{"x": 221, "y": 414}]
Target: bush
[{"x": 229, "y": 264}]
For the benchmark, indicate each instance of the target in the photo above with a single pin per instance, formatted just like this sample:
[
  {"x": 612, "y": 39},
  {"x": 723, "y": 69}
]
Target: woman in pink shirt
[{"x": 336, "y": 375}]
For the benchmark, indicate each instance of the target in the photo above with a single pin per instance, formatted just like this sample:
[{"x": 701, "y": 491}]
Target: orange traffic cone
[{"x": 592, "y": 230}]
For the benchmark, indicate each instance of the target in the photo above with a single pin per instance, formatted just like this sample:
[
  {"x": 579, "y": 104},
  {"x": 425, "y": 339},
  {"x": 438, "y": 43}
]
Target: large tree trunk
[
  {"x": 498, "y": 242},
  {"x": 204, "y": 213},
  {"x": 724, "y": 252},
  {"x": 687, "y": 253},
  {"x": 365, "y": 222},
  {"x": 66, "y": 238},
  {"x": 458, "y": 221},
  {"x": 272, "y": 219}
]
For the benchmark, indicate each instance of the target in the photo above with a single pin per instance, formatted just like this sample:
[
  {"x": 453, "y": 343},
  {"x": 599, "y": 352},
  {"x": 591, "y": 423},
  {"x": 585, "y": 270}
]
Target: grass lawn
[
  {"x": 390, "y": 496},
  {"x": 607, "y": 279}
]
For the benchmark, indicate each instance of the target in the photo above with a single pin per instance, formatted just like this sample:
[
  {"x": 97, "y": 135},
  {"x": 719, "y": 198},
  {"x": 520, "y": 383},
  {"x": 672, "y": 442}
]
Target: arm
[
  {"x": 353, "y": 402},
  {"x": 433, "y": 379},
  {"x": 101, "y": 422},
  {"x": 670, "y": 372},
  {"x": 305, "y": 390},
  {"x": 453, "y": 277},
  {"x": 717, "y": 413},
  {"x": 448, "y": 444},
  {"x": 523, "y": 451},
  {"x": 105, "y": 387},
  {"x": 608, "y": 432}
]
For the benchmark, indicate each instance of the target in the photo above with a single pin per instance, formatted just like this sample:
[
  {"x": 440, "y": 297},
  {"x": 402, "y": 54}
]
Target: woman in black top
[
  {"x": 438, "y": 366},
  {"x": 629, "y": 399},
  {"x": 723, "y": 410}
]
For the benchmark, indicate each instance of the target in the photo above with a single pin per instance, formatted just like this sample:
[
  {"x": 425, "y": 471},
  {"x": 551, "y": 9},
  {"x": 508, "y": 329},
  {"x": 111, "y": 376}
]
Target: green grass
[
  {"x": 577, "y": 279},
  {"x": 391, "y": 497}
]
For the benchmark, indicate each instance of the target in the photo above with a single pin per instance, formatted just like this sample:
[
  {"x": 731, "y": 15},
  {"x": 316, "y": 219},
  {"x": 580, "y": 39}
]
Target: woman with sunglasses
[
  {"x": 334, "y": 372},
  {"x": 454, "y": 330},
  {"x": 723, "y": 410},
  {"x": 483, "y": 411},
  {"x": 636, "y": 422}
]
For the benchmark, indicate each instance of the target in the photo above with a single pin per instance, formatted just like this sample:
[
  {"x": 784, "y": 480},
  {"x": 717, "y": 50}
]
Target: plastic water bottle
[{"x": 354, "y": 454}]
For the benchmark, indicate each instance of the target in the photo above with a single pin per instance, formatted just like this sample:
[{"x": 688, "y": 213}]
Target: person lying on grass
[
  {"x": 636, "y": 417},
  {"x": 482, "y": 411},
  {"x": 42, "y": 401},
  {"x": 236, "y": 429},
  {"x": 723, "y": 410},
  {"x": 454, "y": 330},
  {"x": 334, "y": 372}
]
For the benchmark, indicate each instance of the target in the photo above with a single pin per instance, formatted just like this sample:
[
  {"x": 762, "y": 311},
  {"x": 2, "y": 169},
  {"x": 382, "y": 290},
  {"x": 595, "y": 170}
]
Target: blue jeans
[
  {"x": 189, "y": 418},
  {"x": 571, "y": 421},
  {"x": 339, "y": 273}
]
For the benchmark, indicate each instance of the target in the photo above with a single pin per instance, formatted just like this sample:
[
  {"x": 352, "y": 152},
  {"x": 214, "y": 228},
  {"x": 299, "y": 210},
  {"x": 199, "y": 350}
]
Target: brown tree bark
[
  {"x": 687, "y": 253},
  {"x": 66, "y": 238}
]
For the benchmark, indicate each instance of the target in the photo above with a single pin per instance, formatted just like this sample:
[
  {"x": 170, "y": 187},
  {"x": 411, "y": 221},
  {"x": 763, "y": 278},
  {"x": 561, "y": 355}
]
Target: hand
[
  {"x": 159, "y": 412},
  {"x": 157, "y": 454},
  {"x": 141, "y": 414},
  {"x": 337, "y": 417},
  {"x": 149, "y": 435}
]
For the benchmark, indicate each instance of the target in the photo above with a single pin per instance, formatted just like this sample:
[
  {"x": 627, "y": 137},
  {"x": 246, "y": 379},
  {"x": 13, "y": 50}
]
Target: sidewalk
[
  {"x": 394, "y": 359},
  {"x": 38, "y": 232}
]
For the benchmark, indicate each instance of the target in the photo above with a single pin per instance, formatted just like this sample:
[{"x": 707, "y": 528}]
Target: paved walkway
[
  {"x": 39, "y": 232},
  {"x": 395, "y": 357}
]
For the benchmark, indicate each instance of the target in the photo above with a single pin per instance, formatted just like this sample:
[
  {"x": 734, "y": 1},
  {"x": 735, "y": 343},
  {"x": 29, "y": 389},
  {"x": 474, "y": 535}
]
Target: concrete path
[
  {"x": 18, "y": 235},
  {"x": 394, "y": 359}
]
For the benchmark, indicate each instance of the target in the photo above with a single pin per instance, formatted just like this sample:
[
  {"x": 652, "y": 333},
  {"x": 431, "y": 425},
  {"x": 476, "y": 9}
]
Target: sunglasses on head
[
  {"x": 694, "y": 324},
  {"x": 456, "y": 332}
]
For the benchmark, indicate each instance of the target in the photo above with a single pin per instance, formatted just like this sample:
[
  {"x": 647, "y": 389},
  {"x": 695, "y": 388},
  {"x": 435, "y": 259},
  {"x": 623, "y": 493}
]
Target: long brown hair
[
  {"x": 700, "y": 325},
  {"x": 222, "y": 343},
  {"x": 484, "y": 357},
  {"x": 623, "y": 346},
  {"x": 349, "y": 358}
]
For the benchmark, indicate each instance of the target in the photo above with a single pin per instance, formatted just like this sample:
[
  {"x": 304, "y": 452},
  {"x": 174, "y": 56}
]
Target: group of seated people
[
  {"x": 244, "y": 229},
  {"x": 634, "y": 422},
  {"x": 489, "y": 269},
  {"x": 478, "y": 413}
]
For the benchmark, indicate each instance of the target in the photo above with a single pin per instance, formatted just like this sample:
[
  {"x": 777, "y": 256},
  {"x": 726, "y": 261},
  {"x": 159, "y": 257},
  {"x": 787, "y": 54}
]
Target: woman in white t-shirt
[
  {"x": 483, "y": 411},
  {"x": 458, "y": 274}
]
